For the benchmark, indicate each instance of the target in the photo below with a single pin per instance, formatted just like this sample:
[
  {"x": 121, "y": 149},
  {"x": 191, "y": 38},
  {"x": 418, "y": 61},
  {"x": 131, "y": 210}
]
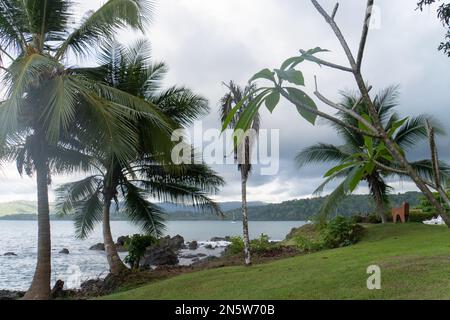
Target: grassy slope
[{"x": 414, "y": 259}]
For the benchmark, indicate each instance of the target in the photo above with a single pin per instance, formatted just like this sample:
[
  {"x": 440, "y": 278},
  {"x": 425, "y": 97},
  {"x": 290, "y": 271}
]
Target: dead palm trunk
[
  {"x": 378, "y": 197},
  {"x": 40, "y": 286},
  {"x": 116, "y": 265}
]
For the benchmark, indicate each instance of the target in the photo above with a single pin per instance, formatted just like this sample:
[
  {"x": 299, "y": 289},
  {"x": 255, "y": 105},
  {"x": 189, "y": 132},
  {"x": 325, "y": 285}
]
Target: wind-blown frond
[
  {"x": 104, "y": 22},
  {"x": 320, "y": 153},
  {"x": 142, "y": 212},
  {"x": 82, "y": 200}
]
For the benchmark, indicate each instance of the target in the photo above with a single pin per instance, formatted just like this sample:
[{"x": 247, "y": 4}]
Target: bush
[
  {"x": 137, "y": 245},
  {"x": 307, "y": 244},
  {"x": 341, "y": 232},
  {"x": 236, "y": 246},
  {"x": 261, "y": 245},
  {"x": 420, "y": 216}
]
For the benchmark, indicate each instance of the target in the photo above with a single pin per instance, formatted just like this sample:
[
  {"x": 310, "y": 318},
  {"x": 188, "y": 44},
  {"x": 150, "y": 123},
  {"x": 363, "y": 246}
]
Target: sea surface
[{"x": 81, "y": 264}]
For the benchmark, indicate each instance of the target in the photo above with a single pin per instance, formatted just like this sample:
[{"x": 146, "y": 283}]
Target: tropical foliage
[
  {"x": 233, "y": 106},
  {"x": 52, "y": 110},
  {"x": 363, "y": 158},
  {"x": 148, "y": 172}
]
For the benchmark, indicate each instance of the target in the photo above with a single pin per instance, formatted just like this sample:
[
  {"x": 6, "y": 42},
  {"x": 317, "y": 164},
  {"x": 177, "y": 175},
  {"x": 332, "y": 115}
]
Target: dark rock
[
  {"x": 201, "y": 255},
  {"x": 58, "y": 289},
  {"x": 188, "y": 256},
  {"x": 64, "y": 251},
  {"x": 215, "y": 239},
  {"x": 176, "y": 243},
  {"x": 193, "y": 245},
  {"x": 209, "y": 247},
  {"x": 121, "y": 241},
  {"x": 156, "y": 256},
  {"x": 10, "y": 254},
  {"x": 98, "y": 247},
  {"x": 11, "y": 295}
]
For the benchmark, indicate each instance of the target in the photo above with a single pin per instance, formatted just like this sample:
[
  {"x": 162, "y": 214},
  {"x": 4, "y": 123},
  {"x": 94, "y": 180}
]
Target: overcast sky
[{"x": 206, "y": 42}]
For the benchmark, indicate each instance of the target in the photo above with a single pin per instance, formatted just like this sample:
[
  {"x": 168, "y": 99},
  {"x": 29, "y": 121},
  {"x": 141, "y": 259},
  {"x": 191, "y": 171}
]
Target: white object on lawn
[{"x": 437, "y": 221}]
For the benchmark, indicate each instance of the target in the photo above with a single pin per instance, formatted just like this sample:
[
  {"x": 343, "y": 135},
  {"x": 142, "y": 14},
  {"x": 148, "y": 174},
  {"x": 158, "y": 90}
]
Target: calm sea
[{"x": 20, "y": 237}]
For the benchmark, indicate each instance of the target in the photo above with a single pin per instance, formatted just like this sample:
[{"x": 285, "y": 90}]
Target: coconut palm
[
  {"x": 144, "y": 175},
  {"x": 366, "y": 159},
  {"x": 242, "y": 151},
  {"x": 52, "y": 109}
]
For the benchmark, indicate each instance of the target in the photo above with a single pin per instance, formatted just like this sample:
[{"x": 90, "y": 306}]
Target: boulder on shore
[
  {"x": 98, "y": 247},
  {"x": 121, "y": 241},
  {"x": 159, "y": 256},
  {"x": 11, "y": 295},
  {"x": 163, "y": 253},
  {"x": 64, "y": 251},
  {"x": 10, "y": 254},
  {"x": 58, "y": 289},
  {"x": 176, "y": 243},
  {"x": 193, "y": 245}
]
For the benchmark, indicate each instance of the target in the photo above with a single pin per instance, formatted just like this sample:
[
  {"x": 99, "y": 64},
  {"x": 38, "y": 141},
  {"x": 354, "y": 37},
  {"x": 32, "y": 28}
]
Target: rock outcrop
[{"x": 98, "y": 247}]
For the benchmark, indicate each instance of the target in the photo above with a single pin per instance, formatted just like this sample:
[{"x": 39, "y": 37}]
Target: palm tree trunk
[
  {"x": 379, "y": 201},
  {"x": 40, "y": 286},
  {"x": 116, "y": 265},
  {"x": 247, "y": 254}
]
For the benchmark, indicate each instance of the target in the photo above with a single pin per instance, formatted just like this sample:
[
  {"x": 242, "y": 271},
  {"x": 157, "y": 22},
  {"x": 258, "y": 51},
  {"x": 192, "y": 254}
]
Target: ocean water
[{"x": 20, "y": 237}]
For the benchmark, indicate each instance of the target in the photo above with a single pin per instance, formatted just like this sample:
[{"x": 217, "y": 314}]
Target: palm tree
[
  {"x": 365, "y": 159},
  {"x": 130, "y": 183},
  {"x": 51, "y": 109},
  {"x": 236, "y": 98}
]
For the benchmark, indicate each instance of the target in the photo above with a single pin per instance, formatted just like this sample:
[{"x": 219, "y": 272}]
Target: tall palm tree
[
  {"x": 51, "y": 109},
  {"x": 148, "y": 173},
  {"x": 242, "y": 152},
  {"x": 365, "y": 159}
]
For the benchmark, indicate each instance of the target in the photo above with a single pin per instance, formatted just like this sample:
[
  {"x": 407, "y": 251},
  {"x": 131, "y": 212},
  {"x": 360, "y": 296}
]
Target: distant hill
[
  {"x": 305, "y": 209},
  {"x": 296, "y": 210}
]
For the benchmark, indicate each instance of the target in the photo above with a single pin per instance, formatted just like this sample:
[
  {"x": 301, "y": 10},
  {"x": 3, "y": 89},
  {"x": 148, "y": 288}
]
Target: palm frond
[
  {"x": 320, "y": 153},
  {"x": 104, "y": 22},
  {"x": 142, "y": 212}
]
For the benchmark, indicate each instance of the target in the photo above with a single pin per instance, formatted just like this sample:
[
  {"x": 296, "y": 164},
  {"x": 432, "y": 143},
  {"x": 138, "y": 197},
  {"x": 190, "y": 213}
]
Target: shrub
[
  {"x": 420, "y": 216},
  {"x": 341, "y": 232},
  {"x": 307, "y": 244},
  {"x": 137, "y": 245},
  {"x": 236, "y": 246},
  {"x": 262, "y": 244}
]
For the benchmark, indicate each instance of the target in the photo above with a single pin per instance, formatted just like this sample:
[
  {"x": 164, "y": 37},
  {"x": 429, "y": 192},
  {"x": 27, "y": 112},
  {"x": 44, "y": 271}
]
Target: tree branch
[
  {"x": 365, "y": 32},
  {"x": 325, "y": 115},
  {"x": 326, "y": 63}
]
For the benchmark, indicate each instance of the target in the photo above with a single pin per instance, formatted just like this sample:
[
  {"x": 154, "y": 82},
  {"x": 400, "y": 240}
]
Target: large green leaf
[
  {"x": 292, "y": 63},
  {"x": 293, "y": 76},
  {"x": 263, "y": 74},
  {"x": 272, "y": 100},
  {"x": 302, "y": 100}
]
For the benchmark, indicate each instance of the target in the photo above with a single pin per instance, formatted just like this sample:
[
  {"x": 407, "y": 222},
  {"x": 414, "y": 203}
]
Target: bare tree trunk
[
  {"x": 116, "y": 265},
  {"x": 40, "y": 286},
  {"x": 247, "y": 253},
  {"x": 378, "y": 197}
]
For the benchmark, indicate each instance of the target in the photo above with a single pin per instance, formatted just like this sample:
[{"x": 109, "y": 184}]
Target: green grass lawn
[{"x": 414, "y": 261}]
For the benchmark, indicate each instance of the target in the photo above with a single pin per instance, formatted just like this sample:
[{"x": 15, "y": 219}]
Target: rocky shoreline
[{"x": 170, "y": 254}]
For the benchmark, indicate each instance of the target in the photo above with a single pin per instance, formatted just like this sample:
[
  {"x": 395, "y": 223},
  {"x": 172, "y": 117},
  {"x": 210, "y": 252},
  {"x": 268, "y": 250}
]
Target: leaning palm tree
[
  {"x": 52, "y": 110},
  {"x": 148, "y": 172},
  {"x": 366, "y": 159},
  {"x": 242, "y": 146}
]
